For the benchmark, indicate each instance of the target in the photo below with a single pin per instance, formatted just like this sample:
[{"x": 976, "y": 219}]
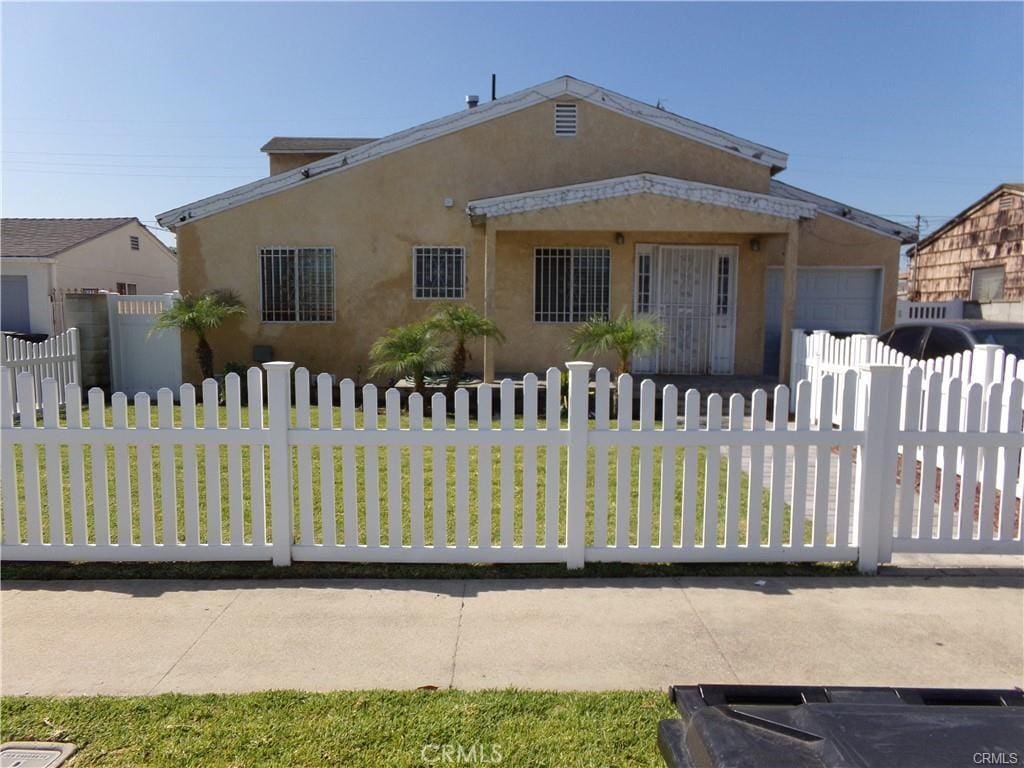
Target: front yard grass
[
  {"x": 358, "y": 728},
  {"x": 520, "y": 493}
]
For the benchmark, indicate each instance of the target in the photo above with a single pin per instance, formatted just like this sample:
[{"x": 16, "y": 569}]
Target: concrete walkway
[{"x": 147, "y": 637}]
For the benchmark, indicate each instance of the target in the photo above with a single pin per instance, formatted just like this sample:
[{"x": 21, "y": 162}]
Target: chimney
[{"x": 472, "y": 100}]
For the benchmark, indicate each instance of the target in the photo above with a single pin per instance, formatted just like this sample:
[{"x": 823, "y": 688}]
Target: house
[
  {"x": 978, "y": 255},
  {"x": 42, "y": 260},
  {"x": 542, "y": 208}
]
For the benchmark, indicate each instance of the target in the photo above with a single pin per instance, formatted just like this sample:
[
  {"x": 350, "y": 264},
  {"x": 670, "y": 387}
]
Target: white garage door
[
  {"x": 14, "y": 304},
  {"x": 826, "y": 299}
]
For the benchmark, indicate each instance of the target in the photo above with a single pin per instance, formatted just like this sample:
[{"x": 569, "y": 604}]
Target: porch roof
[{"x": 641, "y": 184}]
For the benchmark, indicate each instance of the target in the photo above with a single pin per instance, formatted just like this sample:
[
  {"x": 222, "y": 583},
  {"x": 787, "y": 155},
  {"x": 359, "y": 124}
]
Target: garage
[
  {"x": 14, "y": 315},
  {"x": 827, "y": 298}
]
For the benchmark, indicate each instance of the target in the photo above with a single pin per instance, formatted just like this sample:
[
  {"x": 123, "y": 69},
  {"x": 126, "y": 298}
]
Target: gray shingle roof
[
  {"x": 312, "y": 144},
  {"x": 27, "y": 238}
]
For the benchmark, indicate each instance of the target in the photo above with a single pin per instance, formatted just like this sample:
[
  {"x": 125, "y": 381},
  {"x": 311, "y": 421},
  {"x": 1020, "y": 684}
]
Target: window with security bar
[
  {"x": 570, "y": 285},
  {"x": 296, "y": 285},
  {"x": 439, "y": 272}
]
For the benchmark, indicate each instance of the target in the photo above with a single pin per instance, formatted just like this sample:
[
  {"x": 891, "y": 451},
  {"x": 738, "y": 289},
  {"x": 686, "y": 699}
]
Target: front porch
[{"x": 692, "y": 254}]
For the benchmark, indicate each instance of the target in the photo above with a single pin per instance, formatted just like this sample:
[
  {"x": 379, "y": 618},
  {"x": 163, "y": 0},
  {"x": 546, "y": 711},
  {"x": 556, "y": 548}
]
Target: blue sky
[{"x": 121, "y": 109}]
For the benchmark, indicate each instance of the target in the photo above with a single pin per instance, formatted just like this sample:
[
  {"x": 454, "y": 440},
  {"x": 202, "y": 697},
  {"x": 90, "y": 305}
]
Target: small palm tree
[
  {"x": 625, "y": 336},
  {"x": 198, "y": 315},
  {"x": 462, "y": 324},
  {"x": 409, "y": 350}
]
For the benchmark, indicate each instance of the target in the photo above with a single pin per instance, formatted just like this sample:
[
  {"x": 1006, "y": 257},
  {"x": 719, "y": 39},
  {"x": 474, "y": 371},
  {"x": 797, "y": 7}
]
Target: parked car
[{"x": 930, "y": 339}]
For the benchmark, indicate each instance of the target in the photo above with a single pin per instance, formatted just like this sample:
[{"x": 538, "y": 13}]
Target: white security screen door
[{"x": 691, "y": 289}]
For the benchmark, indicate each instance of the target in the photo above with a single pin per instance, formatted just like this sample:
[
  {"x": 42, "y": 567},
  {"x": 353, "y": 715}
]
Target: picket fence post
[
  {"x": 76, "y": 351},
  {"x": 876, "y": 465},
  {"x": 279, "y": 405},
  {"x": 576, "y": 474},
  {"x": 983, "y": 362}
]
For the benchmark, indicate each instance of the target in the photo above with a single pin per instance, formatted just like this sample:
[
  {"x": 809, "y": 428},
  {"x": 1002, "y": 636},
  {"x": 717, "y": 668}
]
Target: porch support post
[
  {"x": 788, "y": 299},
  {"x": 490, "y": 262}
]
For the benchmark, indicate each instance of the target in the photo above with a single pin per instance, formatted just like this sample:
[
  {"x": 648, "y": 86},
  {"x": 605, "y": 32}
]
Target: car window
[
  {"x": 1010, "y": 339},
  {"x": 907, "y": 339},
  {"x": 884, "y": 337},
  {"x": 945, "y": 341}
]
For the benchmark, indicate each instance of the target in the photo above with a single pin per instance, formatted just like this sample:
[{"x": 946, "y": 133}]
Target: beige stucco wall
[
  {"x": 103, "y": 262},
  {"x": 281, "y": 162},
  {"x": 374, "y": 214}
]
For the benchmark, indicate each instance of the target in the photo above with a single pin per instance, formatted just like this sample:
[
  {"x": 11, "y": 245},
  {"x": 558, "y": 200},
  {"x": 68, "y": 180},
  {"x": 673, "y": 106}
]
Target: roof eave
[{"x": 563, "y": 86}]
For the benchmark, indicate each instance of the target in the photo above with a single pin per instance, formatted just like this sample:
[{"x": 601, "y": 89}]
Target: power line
[{"x": 126, "y": 175}]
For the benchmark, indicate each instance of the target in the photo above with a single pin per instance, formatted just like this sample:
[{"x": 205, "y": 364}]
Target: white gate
[
  {"x": 691, "y": 290},
  {"x": 142, "y": 359}
]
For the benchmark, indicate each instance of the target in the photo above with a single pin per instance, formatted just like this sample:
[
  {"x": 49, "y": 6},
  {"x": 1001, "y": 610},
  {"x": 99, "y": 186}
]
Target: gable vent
[
  {"x": 1005, "y": 203},
  {"x": 565, "y": 119}
]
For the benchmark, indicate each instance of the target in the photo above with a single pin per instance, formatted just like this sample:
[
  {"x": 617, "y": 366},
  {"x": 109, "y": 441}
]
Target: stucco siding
[
  {"x": 281, "y": 162},
  {"x": 103, "y": 262},
  {"x": 373, "y": 215}
]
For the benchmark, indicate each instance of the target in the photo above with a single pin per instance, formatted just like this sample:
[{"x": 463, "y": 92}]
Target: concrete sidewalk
[{"x": 147, "y": 637}]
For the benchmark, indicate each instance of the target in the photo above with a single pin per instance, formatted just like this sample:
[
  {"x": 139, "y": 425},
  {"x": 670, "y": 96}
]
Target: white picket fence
[
  {"x": 57, "y": 358},
  {"x": 925, "y": 382},
  {"x": 338, "y": 485}
]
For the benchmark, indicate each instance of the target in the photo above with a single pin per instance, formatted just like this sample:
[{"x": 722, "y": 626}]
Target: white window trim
[
  {"x": 334, "y": 283},
  {"x": 465, "y": 273},
  {"x": 533, "y": 277}
]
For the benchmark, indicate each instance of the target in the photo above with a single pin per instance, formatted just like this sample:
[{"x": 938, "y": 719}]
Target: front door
[{"x": 691, "y": 289}]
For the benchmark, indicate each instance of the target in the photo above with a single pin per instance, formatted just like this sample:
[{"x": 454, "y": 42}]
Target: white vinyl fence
[
  {"x": 142, "y": 359},
  {"x": 327, "y": 480},
  {"x": 57, "y": 358},
  {"x": 926, "y": 383}
]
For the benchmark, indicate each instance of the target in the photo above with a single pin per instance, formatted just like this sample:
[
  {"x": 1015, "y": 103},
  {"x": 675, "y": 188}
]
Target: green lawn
[
  {"x": 369, "y": 728},
  {"x": 520, "y": 493}
]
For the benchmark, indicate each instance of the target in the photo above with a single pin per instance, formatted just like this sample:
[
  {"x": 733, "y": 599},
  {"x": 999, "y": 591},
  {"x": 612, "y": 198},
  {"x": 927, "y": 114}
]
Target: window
[
  {"x": 565, "y": 119},
  {"x": 570, "y": 285},
  {"x": 944, "y": 341},
  {"x": 907, "y": 339},
  {"x": 134, "y": 240},
  {"x": 296, "y": 285},
  {"x": 987, "y": 283},
  {"x": 643, "y": 283},
  {"x": 438, "y": 272},
  {"x": 127, "y": 289},
  {"x": 722, "y": 303}
]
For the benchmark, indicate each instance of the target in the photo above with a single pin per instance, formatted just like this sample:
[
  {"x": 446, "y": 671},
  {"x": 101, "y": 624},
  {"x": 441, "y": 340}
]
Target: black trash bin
[{"x": 736, "y": 726}]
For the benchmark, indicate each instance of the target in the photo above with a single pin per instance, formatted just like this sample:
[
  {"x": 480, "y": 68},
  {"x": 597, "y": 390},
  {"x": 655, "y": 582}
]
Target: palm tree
[
  {"x": 462, "y": 324},
  {"x": 200, "y": 314},
  {"x": 409, "y": 350},
  {"x": 625, "y": 336}
]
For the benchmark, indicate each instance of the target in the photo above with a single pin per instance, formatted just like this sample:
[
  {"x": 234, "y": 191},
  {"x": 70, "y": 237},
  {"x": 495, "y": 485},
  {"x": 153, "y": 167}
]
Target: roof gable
[
  {"x": 562, "y": 87},
  {"x": 1002, "y": 189},
  {"x": 44, "y": 238},
  {"x": 640, "y": 184}
]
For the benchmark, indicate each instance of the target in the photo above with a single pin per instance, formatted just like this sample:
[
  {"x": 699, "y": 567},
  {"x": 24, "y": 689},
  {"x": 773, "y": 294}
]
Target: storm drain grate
[{"x": 34, "y": 754}]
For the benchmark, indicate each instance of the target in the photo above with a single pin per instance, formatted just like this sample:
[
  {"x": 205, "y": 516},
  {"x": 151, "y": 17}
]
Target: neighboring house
[
  {"x": 978, "y": 255},
  {"x": 41, "y": 260},
  {"x": 542, "y": 208}
]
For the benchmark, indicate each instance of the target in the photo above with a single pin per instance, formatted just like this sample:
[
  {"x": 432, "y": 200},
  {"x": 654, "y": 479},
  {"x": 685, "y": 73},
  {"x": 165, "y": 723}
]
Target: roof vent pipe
[{"x": 472, "y": 100}]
